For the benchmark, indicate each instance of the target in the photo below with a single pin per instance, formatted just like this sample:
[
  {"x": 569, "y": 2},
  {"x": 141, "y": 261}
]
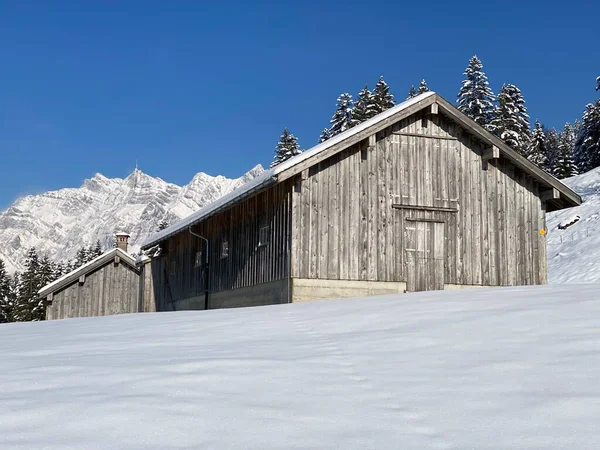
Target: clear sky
[{"x": 189, "y": 86}]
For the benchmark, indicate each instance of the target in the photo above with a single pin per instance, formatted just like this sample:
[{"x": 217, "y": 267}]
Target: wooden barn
[
  {"x": 417, "y": 198},
  {"x": 107, "y": 285}
]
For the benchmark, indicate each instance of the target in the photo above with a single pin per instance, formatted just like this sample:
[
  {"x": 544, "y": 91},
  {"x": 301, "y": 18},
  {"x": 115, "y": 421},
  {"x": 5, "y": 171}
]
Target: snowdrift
[{"x": 574, "y": 251}]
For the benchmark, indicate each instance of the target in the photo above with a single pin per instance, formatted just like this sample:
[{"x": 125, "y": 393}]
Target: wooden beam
[
  {"x": 550, "y": 194},
  {"x": 424, "y": 208},
  {"x": 491, "y": 152},
  {"x": 117, "y": 260},
  {"x": 421, "y": 135},
  {"x": 50, "y": 297},
  {"x": 82, "y": 279},
  {"x": 432, "y": 109},
  {"x": 412, "y": 219}
]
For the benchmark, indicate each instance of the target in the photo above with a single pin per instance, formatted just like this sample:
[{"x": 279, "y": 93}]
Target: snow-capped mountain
[
  {"x": 59, "y": 222},
  {"x": 574, "y": 248}
]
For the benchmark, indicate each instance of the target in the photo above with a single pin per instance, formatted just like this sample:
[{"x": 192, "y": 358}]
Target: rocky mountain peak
[{"x": 59, "y": 222}]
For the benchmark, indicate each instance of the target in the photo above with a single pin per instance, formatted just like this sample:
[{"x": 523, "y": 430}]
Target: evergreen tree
[
  {"x": 536, "y": 153},
  {"x": 552, "y": 143},
  {"x": 59, "y": 269},
  {"x": 475, "y": 97},
  {"x": 28, "y": 306},
  {"x": 412, "y": 93},
  {"x": 382, "y": 96},
  {"x": 47, "y": 272},
  {"x": 6, "y": 305},
  {"x": 511, "y": 123},
  {"x": 97, "y": 249},
  {"x": 13, "y": 297},
  {"x": 565, "y": 165},
  {"x": 587, "y": 146},
  {"x": 81, "y": 257},
  {"x": 342, "y": 117},
  {"x": 598, "y": 83},
  {"x": 286, "y": 148},
  {"x": 324, "y": 135},
  {"x": 364, "y": 107},
  {"x": 423, "y": 87}
]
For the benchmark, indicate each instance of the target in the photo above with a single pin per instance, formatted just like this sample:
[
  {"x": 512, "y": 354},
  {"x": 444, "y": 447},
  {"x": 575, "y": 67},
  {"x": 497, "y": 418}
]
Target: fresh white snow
[
  {"x": 574, "y": 253},
  {"x": 514, "y": 368}
]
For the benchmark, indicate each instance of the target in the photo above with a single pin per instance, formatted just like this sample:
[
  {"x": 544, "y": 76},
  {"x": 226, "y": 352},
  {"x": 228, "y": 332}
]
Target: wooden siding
[
  {"x": 345, "y": 225},
  {"x": 111, "y": 289},
  {"x": 176, "y": 278}
]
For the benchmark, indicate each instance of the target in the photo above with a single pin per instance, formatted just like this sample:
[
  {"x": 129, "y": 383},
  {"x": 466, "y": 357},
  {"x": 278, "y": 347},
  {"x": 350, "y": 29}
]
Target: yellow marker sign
[{"x": 543, "y": 232}]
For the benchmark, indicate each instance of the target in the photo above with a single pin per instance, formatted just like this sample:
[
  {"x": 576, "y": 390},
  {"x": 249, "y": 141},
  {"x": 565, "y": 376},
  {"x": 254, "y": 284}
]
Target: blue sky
[{"x": 184, "y": 87}]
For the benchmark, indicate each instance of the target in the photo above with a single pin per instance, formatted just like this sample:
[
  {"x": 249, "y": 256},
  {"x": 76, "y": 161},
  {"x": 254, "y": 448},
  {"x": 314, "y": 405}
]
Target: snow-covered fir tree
[
  {"x": 412, "y": 93},
  {"x": 364, "y": 107},
  {"x": 383, "y": 98},
  {"x": 598, "y": 83},
  {"x": 162, "y": 225},
  {"x": 536, "y": 152},
  {"x": 511, "y": 122},
  {"x": 286, "y": 148},
  {"x": 475, "y": 97},
  {"x": 81, "y": 257},
  {"x": 6, "y": 303},
  {"x": 342, "y": 119},
  {"x": 97, "y": 249},
  {"x": 29, "y": 307},
  {"x": 324, "y": 135},
  {"x": 423, "y": 87},
  {"x": 565, "y": 164},
  {"x": 587, "y": 146},
  {"x": 552, "y": 144},
  {"x": 47, "y": 272}
]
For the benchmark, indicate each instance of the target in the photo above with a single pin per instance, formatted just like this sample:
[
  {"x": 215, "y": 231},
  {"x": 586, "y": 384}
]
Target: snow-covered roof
[
  {"x": 271, "y": 176},
  {"x": 95, "y": 263}
]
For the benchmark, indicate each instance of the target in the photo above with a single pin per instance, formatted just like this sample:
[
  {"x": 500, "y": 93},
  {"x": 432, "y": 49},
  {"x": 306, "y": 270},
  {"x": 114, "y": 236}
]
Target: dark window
[
  {"x": 264, "y": 236},
  {"x": 224, "y": 249}
]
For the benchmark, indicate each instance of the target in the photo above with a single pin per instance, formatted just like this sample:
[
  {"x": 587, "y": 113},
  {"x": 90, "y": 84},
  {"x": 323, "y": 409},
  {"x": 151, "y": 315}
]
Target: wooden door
[{"x": 424, "y": 248}]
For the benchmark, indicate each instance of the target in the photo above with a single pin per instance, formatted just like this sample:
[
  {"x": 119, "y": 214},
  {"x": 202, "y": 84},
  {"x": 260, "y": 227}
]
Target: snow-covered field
[
  {"x": 574, "y": 253},
  {"x": 515, "y": 368}
]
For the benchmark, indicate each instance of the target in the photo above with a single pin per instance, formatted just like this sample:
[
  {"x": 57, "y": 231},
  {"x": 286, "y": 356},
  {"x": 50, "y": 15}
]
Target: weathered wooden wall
[
  {"x": 177, "y": 280},
  {"x": 350, "y": 213},
  {"x": 111, "y": 289},
  {"x": 147, "y": 302}
]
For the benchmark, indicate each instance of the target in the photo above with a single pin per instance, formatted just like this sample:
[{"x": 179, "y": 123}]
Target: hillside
[
  {"x": 513, "y": 368},
  {"x": 574, "y": 253},
  {"x": 60, "y": 222}
]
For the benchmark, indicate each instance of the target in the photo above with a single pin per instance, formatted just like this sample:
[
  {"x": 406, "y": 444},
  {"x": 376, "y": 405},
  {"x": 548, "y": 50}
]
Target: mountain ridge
[{"x": 59, "y": 222}]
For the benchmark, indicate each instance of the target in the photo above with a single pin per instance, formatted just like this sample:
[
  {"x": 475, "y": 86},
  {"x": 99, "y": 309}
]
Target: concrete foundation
[
  {"x": 304, "y": 289},
  {"x": 272, "y": 293}
]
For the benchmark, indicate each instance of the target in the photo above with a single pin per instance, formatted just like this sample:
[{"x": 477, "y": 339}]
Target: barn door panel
[{"x": 424, "y": 255}]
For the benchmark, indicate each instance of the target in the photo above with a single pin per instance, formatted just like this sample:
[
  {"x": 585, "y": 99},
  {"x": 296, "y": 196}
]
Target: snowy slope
[
  {"x": 574, "y": 253},
  {"x": 59, "y": 222},
  {"x": 514, "y": 368}
]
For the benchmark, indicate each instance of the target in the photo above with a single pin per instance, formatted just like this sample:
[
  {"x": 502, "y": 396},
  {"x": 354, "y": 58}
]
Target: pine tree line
[
  {"x": 575, "y": 149},
  {"x": 19, "y": 300}
]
